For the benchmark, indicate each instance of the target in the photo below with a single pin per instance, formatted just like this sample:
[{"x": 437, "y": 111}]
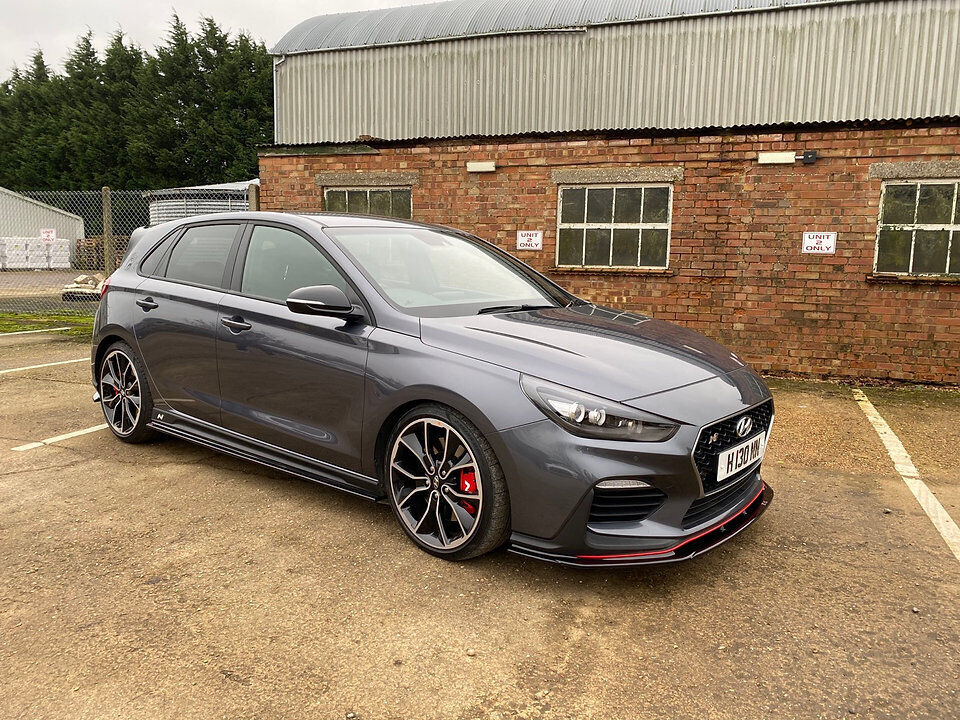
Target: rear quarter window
[
  {"x": 151, "y": 265},
  {"x": 200, "y": 256}
]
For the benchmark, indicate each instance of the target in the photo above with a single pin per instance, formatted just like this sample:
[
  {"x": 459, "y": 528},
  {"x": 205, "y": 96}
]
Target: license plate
[{"x": 740, "y": 456}]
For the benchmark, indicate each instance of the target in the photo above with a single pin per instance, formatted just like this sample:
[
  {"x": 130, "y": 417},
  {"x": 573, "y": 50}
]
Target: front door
[
  {"x": 176, "y": 319},
  {"x": 295, "y": 381}
]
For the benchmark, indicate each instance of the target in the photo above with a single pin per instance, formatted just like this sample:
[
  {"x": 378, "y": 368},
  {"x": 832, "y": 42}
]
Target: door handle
[
  {"x": 147, "y": 304},
  {"x": 236, "y": 324}
]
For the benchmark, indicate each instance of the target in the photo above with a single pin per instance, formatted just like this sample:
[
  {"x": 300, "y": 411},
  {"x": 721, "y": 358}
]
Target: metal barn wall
[
  {"x": 166, "y": 208},
  {"x": 21, "y": 220},
  {"x": 861, "y": 61},
  {"x": 22, "y": 217}
]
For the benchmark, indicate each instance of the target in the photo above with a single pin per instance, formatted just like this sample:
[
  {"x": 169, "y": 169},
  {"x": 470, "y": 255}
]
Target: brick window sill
[
  {"x": 889, "y": 278},
  {"x": 658, "y": 272}
]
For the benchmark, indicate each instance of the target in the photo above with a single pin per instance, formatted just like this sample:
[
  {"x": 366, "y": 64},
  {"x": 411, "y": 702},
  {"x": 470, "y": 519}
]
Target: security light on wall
[
  {"x": 786, "y": 157},
  {"x": 481, "y": 166}
]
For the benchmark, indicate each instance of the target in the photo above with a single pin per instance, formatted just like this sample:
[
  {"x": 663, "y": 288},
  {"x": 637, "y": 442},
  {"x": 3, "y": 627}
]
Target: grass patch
[{"x": 80, "y": 326}]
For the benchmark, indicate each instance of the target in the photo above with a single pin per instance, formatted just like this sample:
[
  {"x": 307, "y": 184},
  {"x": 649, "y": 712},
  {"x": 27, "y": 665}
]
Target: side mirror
[{"x": 320, "y": 300}]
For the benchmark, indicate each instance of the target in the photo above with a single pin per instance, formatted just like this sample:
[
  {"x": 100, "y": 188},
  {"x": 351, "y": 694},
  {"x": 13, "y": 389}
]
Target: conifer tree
[{"x": 191, "y": 112}]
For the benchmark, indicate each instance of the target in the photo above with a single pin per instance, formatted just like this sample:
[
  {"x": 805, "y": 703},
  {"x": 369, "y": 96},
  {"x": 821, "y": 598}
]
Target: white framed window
[
  {"x": 394, "y": 202},
  {"x": 614, "y": 225},
  {"x": 918, "y": 232}
]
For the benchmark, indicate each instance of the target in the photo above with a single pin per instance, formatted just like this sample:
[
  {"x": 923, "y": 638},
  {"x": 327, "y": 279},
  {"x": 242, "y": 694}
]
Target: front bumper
[
  {"x": 558, "y": 513},
  {"x": 684, "y": 548}
]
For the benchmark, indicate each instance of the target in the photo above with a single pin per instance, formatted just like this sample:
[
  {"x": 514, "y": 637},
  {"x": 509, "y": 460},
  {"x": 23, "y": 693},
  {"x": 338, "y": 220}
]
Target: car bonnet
[{"x": 613, "y": 354}]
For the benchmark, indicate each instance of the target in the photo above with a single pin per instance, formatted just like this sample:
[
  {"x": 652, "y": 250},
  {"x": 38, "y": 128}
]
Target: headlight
[{"x": 591, "y": 416}]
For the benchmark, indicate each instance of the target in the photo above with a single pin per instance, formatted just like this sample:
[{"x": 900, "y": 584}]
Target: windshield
[{"x": 434, "y": 274}]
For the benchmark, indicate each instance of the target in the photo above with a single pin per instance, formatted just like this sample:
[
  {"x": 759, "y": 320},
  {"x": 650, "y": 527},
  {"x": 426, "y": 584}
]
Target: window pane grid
[
  {"x": 384, "y": 201},
  {"x": 919, "y": 228},
  {"x": 591, "y": 217}
]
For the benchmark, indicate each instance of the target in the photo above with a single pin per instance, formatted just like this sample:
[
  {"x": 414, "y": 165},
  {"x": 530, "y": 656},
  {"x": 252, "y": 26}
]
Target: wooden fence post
[{"x": 109, "y": 262}]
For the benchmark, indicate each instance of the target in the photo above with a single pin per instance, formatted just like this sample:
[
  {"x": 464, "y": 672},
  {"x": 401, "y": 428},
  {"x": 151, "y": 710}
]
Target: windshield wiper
[{"x": 511, "y": 308}]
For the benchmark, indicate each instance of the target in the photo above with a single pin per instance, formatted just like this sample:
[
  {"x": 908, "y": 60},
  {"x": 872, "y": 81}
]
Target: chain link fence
[{"x": 57, "y": 246}]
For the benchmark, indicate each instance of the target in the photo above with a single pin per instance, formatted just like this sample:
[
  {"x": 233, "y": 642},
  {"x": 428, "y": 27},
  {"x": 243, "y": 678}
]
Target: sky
[{"x": 54, "y": 25}]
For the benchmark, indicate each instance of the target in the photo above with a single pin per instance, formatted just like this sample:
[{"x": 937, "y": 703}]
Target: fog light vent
[
  {"x": 624, "y": 500},
  {"x": 621, "y": 484}
]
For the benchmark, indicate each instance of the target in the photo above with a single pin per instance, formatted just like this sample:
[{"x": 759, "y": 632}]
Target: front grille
[
  {"x": 630, "y": 505},
  {"x": 705, "y": 455},
  {"x": 722, "y": 501}
]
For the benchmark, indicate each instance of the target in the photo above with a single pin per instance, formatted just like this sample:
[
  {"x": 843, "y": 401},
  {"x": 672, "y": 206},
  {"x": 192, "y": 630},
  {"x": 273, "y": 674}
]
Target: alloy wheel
[
  {"x": 435, "y": 484},
  {"x": 120, "y": 392}
]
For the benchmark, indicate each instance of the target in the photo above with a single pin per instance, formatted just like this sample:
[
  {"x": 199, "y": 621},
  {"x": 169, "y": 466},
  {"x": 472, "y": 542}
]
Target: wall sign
[
  {"x": 529, "y": 239},
  {"x": 48, "y": 234},
  {"x": 819, "y": 243}
]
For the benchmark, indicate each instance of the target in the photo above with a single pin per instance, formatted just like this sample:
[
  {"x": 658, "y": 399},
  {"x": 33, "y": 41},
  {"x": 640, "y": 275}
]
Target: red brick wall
[{"x": 736, "y": 272}]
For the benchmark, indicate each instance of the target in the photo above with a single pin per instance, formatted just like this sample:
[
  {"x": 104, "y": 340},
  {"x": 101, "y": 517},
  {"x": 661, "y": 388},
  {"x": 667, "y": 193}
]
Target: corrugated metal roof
[
  {"x": 195, "y": 190},
  {"x": 472, "y": 18},
  {"x": 883, "y": 60},
  {"x": 16, "y": 197}
]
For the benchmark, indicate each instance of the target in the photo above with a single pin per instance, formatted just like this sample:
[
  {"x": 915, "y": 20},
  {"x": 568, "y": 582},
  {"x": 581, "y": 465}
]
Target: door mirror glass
[{"x": 320, "y": 300}]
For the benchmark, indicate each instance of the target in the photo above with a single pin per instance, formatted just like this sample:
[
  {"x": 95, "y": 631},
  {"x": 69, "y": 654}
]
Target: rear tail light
[{"x": 104, "y": 286}]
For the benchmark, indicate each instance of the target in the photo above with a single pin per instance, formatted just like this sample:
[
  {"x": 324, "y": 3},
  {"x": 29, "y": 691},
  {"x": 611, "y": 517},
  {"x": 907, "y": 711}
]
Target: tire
[
  {"x": 430, "y": 493},
  {"x": 121, "y": 382}
]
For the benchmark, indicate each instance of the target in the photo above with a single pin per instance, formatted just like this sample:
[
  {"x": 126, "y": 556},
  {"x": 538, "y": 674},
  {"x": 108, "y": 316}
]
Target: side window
[
  {"x": 614, "y": 226},
  {"x": 151, "y": 264},
  {"x": 388, "y": 202},
  {"x": 201, "y": 255},
  {"x": 919, "y": 229},
  {"x": 280, "y": 261}
]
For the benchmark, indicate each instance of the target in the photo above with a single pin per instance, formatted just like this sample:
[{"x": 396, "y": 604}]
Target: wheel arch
[
  {"x": 413, "y": 397},
  {"x": 105, "y": 338}
]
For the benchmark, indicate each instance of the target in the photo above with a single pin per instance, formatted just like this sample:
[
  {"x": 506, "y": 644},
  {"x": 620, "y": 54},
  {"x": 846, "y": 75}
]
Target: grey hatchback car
[{"x": 423, "y": 367}]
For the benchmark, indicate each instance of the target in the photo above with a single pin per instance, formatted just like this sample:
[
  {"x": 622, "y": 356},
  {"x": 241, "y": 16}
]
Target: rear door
[
  {"x": 177, "y": 318},
  {"x": 295, "y": 381}
]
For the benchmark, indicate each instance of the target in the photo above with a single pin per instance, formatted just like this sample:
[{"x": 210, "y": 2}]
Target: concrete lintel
[
  {"x": 337, "y": 178},
  {"x": 915, "y": 170},
  {"x": 629, "y": 174}
]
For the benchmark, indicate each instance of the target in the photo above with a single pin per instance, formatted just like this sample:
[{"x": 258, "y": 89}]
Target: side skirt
[{"x": 197, "y": 431}]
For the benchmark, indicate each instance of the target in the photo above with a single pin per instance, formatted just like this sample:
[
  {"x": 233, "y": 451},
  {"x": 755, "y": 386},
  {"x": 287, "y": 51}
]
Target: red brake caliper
[{"x": 468, "y": 484}]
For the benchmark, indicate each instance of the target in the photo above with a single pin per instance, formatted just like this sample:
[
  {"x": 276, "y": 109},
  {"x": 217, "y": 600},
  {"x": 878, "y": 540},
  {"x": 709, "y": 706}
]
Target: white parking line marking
[
  {"x": 908, "y": 472},
  {"x": 28, "y": 332},
  {"x": 43, "y": 365},
  {"x": 58, "y": 438}
]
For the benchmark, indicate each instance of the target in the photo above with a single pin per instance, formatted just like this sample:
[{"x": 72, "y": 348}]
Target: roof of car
[
  {"x": 346, "y": 220},
  {"x": 322, "y": 219},
  {"x": 325, "y": 220}
]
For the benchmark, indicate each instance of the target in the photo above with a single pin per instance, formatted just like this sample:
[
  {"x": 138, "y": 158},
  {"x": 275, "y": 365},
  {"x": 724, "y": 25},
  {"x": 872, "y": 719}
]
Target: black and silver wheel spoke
[
  {"x": 411, "y": 495},
  {"x": 469, "y": 497},
  {"x": 128, "y": 411},
  {"x": 120, "y": 392},
  {"x": 465, "y": 461},
  {"x": 425, "y": 516},
  {"x": 109, "y": 380},
  {"x": 430, "y": 467},
  {"x": 397, "y": 466},
  {"x": 416, "y": 450},
  {"x": 443, "y": 533},
  {"x": 117, "y": 415},
  {"x": 464, "y": 520}
]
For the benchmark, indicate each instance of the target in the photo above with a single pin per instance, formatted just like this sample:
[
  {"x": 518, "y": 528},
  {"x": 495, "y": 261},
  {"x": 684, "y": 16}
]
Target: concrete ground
[
  {"x": 40, "y": 290},
  {"x": 167, "y": 580}
]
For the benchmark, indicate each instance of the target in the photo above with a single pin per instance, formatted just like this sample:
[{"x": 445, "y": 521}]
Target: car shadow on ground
[{"x": 653, "y": 580}]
